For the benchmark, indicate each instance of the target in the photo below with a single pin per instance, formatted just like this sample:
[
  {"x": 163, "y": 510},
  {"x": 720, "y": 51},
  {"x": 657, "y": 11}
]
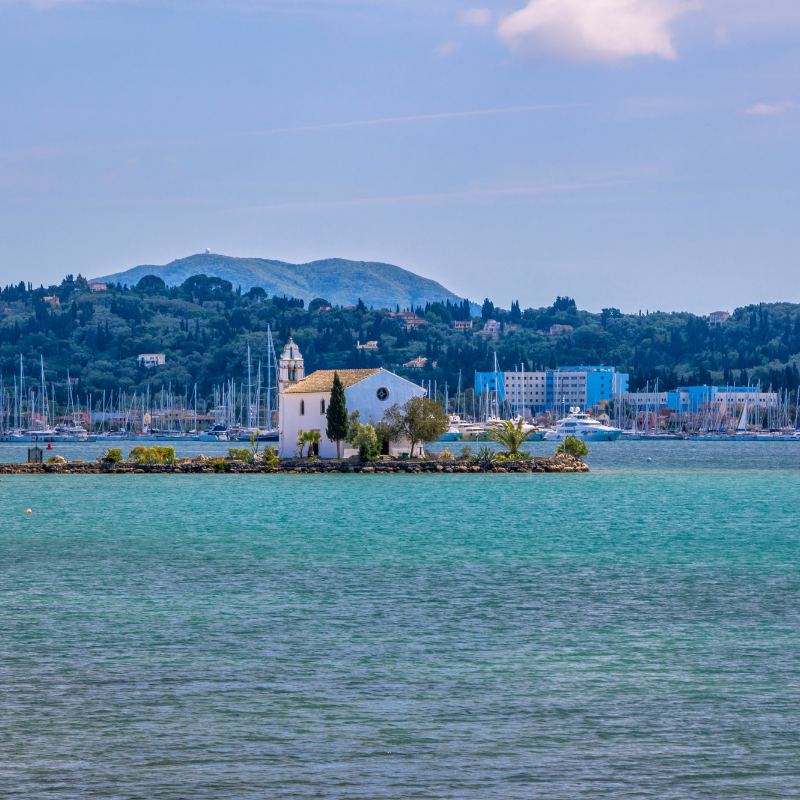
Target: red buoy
[{"x": 49, "y": 446}]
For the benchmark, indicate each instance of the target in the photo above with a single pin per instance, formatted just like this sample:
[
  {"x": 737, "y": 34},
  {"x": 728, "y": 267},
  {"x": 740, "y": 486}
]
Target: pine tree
[{"x": 336, "y": 430}]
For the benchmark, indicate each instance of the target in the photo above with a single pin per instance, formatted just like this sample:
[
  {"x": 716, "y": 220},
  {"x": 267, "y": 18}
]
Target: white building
[
  {"x": 152, "y": 359},
  {"x": 303, "y": 401}
]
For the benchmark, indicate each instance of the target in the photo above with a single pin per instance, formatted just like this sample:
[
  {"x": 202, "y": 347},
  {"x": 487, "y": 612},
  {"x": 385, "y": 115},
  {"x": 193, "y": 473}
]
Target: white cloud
[
  {"x": 479, "y": 17},
  {"x": 447, "y": 49},
  {"x": 594, "y": 30},
  {"x": 766, "y": 108}
]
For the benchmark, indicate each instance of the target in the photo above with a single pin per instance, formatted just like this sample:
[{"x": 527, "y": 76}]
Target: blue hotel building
[{"x": 564, "y": 387}]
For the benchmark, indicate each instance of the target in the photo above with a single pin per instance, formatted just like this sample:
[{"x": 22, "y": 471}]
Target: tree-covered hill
[
  {"x": 337, "y": 279},
  {"x": 204, "y": 327}
]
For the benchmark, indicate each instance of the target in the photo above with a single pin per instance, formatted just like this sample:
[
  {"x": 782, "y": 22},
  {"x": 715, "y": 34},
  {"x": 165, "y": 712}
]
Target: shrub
[
  {"x": 152, "y": 455},
  {"x": 220, "y": 465},
  {"x": 239, "y": 455},
  {"x": 447, "y": 454},
  {"x": 466, "y": 452},
  {"x": 485, "y": 455},
  {"x": 572, "y": 446},
  {"x": 270, "y": 457},
  {"x": 113, "y": 454}
]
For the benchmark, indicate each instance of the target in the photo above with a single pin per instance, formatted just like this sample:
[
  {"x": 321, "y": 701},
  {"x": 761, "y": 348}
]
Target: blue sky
[{"x": 633, "y": 153}]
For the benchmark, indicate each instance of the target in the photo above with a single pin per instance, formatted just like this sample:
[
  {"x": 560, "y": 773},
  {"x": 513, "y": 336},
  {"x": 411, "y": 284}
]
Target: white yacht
[
  {"x": 216, "y": 433},
  {"x": 71, "y": 433},
  {"x": 15, "y": 435},
  {"x": 45, "y": 434},
  {"x": 583, "y": 427}
]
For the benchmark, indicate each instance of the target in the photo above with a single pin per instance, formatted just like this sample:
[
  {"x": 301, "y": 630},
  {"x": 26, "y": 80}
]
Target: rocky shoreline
[{"x": 183, "y": 466}]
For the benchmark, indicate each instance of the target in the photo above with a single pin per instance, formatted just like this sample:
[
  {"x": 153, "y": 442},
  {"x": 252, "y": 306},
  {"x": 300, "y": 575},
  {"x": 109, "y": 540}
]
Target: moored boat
[{"x": 584, "y": 427}]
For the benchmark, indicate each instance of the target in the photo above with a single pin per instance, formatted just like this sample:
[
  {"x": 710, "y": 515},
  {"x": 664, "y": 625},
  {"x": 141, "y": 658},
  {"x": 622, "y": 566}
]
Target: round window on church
[{"x": 383, "y": 393}]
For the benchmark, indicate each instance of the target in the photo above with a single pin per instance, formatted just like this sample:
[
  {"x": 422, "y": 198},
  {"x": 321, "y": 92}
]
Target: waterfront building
[
  {"x": 303, "y": 401},
  {"x": 565, "y": 387},
  {"x": 692, "y": 399}
]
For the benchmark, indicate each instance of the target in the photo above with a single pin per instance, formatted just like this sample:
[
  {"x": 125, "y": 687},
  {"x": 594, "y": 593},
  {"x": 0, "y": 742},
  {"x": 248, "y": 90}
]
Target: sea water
[{"x": 631, "y": 632}]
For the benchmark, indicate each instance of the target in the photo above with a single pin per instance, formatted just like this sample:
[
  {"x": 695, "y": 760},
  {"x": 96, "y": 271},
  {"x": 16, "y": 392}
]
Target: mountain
[{"x": 337, "y": 280}]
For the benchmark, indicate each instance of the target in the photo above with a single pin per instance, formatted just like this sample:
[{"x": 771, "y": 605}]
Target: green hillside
[
  {"x": 337, "y": 280},
  {"x": 204, "y": 328}
]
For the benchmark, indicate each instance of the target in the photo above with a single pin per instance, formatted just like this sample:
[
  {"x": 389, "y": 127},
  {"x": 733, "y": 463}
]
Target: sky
[{"x": 640, "y": 154}]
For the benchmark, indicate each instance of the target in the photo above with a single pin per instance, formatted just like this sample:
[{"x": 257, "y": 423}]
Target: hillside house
[
  {"x": 409, "y": 319},
  {"x": 717, "y": 318},
  {"x": 152, "y": 359}
]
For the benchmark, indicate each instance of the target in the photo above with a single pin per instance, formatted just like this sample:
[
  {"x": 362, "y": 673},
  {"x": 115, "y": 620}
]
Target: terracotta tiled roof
[{"x": 322, "y": 380}]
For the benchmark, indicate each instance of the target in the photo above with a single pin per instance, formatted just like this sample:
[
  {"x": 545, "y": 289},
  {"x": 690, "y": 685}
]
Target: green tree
[
  {"x": 509, "y": 435},
  {"x": 311, "y": 438},
  {"x": 113, "y": 454},
  {"x": 572, "y": 446},
  {"x": 364, "y": 439},
  {"x": 336, "y": 431},
  {"x": 301, "y": 441},
  {"x": 419, "y": 420}
]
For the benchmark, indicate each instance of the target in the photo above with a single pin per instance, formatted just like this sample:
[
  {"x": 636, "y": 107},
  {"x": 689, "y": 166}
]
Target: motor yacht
[
  {"x": 216, "y": 433},
  {"x": 582, "y": 426}
]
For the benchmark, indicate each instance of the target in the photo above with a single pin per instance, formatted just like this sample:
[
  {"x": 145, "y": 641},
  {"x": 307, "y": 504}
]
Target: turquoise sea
[{"x": 633, "y": 632}]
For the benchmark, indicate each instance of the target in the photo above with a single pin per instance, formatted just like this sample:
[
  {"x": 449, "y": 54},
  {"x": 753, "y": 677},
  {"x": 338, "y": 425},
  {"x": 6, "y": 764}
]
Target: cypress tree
[{"x": 336, "y": 430}]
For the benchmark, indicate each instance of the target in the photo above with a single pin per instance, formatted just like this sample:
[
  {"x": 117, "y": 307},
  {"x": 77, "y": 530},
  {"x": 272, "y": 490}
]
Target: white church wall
[
  {"x": 362, "y": 397},
  {"x": 291, "y": 422}
]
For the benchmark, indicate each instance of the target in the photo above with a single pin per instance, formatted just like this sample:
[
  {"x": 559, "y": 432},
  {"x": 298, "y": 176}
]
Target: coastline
[{"x": 299, "y": 467}]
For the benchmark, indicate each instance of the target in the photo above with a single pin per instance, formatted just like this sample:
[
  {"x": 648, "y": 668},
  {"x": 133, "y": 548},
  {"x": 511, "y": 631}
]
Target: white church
[{"x": 303, "y": 401}]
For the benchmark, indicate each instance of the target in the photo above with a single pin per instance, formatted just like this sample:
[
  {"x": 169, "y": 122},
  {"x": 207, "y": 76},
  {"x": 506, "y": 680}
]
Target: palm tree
[
  {"x": 509, "y": 435},
  {"x": 312, "y": 438},
  {"x": 301, "y": 441}
]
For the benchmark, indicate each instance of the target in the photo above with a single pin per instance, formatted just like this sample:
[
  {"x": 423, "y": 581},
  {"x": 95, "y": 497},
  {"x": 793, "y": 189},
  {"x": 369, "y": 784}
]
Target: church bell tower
[{"x": 290, "y": 366}]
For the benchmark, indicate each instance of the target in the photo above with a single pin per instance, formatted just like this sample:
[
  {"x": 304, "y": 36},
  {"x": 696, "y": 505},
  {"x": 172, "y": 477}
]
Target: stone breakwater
[{"x": 294, "y": 467}]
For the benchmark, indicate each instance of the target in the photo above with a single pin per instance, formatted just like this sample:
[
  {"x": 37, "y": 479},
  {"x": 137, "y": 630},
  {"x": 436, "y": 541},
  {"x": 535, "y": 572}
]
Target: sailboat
[{"x": 253, "y": 429}]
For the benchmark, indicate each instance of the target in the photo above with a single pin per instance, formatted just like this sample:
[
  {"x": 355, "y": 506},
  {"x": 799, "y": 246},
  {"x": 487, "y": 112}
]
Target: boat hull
[{"x": 585, "y": 436}]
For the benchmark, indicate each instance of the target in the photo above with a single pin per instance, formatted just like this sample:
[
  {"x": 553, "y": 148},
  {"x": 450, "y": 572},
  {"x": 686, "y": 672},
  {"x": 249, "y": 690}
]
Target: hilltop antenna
[{"x": 208, "y": 250}]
